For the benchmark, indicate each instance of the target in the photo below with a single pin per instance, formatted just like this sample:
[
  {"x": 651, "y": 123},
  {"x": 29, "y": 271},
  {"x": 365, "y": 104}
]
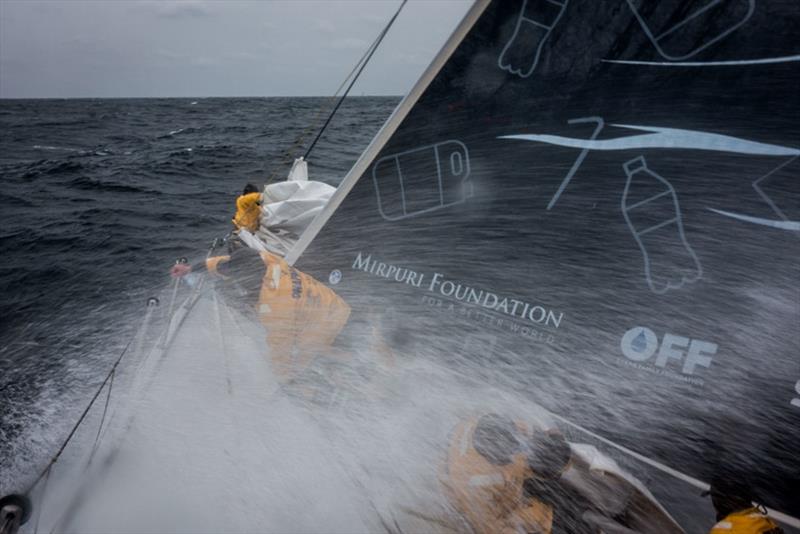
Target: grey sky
[{"x": 116, "y": 48}]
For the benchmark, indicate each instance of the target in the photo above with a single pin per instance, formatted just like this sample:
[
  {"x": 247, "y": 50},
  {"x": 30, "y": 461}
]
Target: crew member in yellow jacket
[
  {"x": 736, "y": 514},
  {"x": 248, "y": 209}
]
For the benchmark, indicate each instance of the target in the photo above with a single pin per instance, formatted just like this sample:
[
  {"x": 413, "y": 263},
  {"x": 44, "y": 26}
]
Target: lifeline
[{"x": 462, "y": 293}]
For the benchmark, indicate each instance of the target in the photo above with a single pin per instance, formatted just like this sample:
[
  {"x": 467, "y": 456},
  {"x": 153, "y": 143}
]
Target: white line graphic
[
  {"x": 665, "y": 138},
  {"x": 676, "y": 42},
  {"x": 731, "y": 63},
  {"x": 523, "y": 50},
  {"x": 793, "y": 226},
  {"x": 425, "y": 179},
  {"x": 766, "y": 197},
  {"x": 575, "y": 166},
  {"x": 669, "y": 260}
]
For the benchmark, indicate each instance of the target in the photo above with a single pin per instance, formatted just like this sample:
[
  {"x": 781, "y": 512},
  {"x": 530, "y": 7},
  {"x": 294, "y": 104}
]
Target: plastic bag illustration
[
  {"x": 421, "y": 180},
  {"x": 536, "y": 20},
  {"x": 704, "y": 23},
  {"x": 651, "y": 210}
]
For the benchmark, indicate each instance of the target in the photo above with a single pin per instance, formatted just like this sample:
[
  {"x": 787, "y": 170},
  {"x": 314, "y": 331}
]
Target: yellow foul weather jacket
[
  {"x": 749, "y": 521},
  {"x": 248, "y": 211}
]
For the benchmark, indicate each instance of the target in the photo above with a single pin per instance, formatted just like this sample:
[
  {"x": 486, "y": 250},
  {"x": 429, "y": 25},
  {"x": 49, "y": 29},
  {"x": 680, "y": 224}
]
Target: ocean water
[
  {"x": 98, "y": 199},
  {"x": 102, "y": 196}
]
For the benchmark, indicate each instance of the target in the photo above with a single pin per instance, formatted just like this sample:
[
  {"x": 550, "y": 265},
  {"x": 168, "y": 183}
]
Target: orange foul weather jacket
[
  {"x": 302, "y": 316},
  {"x": 490, "y": 496},
  {"x": 750, "y": 521}
]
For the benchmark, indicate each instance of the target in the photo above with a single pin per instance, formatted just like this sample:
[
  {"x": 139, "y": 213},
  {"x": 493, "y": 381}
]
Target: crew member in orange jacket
[
  {"x": 309, "y": 338},
  {"x": 486, "y": 472},
  {"x": 302, "y": 316},
  {"x": 504, "y": 477}
]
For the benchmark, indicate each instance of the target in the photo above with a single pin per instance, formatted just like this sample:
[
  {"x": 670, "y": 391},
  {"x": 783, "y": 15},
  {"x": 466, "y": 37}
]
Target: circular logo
[
  {"x": 639, "y": 343},
  {"x": 335, "y": 277}
]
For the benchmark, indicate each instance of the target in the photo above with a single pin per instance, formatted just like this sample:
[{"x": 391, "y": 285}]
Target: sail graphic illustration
[
  {"x": 651, "y": 210},
  {"x": 703, "y": 24},
  {"x": 421, "y": 180},
  {"x": 782, "y": 225},
  {"x": 535, "y": 22},
  {"x": 668, "y": 138}
]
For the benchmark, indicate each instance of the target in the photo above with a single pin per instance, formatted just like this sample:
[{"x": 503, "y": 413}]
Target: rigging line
[
  {"x": 55, "y": 458},
  {"x": 78, "y": 494},
  {"x": 318, "y": 114},
  {"x": 39, "y": 511},
  {"x": 704, "y": 486},
  {"x": 172, "y": 300},
  {"x": 102, "y": 420},
  {"x": 358, "y": 73}
]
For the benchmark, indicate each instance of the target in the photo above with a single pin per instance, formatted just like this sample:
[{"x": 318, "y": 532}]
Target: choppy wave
[
  {"x": 89, "y": 184},
  {"x": 99, "y": 198}
]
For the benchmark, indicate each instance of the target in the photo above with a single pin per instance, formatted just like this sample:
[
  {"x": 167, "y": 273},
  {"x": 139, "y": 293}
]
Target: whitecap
[{"x": 47, "y": 147}]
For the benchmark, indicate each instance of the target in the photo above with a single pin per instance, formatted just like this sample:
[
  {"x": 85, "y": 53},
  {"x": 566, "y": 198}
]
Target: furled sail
[
  {"x": 597, "y": 204},
  {"x": 288, "y": 207}
]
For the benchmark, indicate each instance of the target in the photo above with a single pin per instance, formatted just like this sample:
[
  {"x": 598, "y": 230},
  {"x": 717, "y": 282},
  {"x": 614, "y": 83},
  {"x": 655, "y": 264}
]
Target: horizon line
[{"x": 186, "y": 97}]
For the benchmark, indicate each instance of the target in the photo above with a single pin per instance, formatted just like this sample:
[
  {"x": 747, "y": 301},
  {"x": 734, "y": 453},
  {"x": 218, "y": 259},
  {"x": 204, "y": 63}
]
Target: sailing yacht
[{"x": 599, "y": 206}]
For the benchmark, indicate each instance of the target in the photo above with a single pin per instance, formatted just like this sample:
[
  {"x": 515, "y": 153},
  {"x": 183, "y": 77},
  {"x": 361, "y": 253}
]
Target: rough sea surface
[{"x": 98, "y": 199}]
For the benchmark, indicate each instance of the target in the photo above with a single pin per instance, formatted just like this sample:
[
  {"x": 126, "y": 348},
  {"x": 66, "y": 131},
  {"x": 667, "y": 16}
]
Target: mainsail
[{"x": 597, "y": 204}]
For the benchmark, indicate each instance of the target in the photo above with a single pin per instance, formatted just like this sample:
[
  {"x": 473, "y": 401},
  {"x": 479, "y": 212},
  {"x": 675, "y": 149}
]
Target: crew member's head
[
  {"x": 249, "y": 188},
  {"x": 730, "y": 495},
  {"x": 495, "y": 438},
  {"x": 548, "y": 454}
]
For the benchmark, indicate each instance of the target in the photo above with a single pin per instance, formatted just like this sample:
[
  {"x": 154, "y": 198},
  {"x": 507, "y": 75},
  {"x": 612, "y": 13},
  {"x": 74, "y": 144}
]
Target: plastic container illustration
[
  {"x": 422, "y": 180},
  {"x": 703, "y": 23},
  {"x": 535, "y": 21},
  {"x": 651, "y": 210}
]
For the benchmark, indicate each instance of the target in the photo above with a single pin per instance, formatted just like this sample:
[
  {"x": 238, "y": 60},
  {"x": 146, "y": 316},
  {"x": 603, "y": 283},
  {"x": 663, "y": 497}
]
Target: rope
[
  {"x": 287, "y": 154},
  {"x": 44, "y": 491},
  {"x": 358, "y": 67},
  {"x": 102, "y": 419},
  {"x": 172, "y": 300},
  {"x": 55, "y": 458},
  {"x": 364, "y": 64}
]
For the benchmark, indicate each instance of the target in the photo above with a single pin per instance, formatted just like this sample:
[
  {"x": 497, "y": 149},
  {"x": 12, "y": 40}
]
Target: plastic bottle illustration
[
  {"x": 536, "y": 20},
  {"x": 681, "y": 39},
  {"x": 651, "y": 210},
  {"x": 421, "y": 180}
]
